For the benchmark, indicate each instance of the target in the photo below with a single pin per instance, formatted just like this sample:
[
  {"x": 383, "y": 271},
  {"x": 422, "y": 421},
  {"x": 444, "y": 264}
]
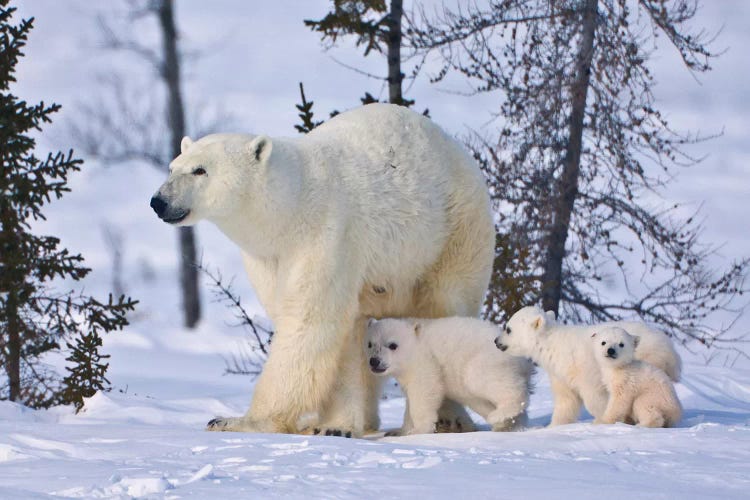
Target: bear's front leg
[
  {"x": 453, "y": 417},
  {"x": 314, "y": 308},
  {"x": 567, "y": 403},
  {"x": 595, "y": 399},
  {"x": 619, "y": 408},
  {"x": 425, "y": 394}
]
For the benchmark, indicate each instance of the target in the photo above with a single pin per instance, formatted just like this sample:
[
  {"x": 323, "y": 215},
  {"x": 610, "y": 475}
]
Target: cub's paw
[
  {"x": 505, "y": 425},
  {"x": 394, "y": 433}
]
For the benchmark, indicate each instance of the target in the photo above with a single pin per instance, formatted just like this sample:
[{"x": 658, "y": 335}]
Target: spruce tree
[
  {"x": 306, "y": 115},
  {"x": 87, "y": 373},
  {"x": 34, "y": 317}
]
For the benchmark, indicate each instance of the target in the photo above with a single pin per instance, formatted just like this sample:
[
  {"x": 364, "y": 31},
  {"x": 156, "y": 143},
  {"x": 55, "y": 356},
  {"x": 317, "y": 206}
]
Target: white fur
[
  {"x": 565, "y": 352},
  {"x": 450, "y": 358},
  {"x": 638, "y": 392},
  {"x": 376, "y": 213}
]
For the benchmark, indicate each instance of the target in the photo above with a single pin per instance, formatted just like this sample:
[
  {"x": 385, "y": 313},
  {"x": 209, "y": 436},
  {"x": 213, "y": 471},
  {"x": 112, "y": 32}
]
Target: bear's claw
[
  {"x": 332, "y": 432},
  {"x": 216, "y": 424}
]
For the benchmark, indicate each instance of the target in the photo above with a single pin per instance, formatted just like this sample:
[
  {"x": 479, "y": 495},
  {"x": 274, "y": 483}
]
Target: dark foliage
[
  {"x": 34, "y": 318},
  {"x": 305, "y": 113}
]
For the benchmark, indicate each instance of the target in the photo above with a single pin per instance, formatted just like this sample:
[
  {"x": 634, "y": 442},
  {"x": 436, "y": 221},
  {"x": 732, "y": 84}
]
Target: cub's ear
[
  {"x": 539, "y": 322},
  {"x": 636, "y": 341},
  {"x": 417, "y": 329},
  {"x": 185, "y": 144},
  {"x": 260, "y": 148},
  {"x": 370, "y": 322},
  {"x": 593, "y": 335},
  {"x": 551, "y": 316}
]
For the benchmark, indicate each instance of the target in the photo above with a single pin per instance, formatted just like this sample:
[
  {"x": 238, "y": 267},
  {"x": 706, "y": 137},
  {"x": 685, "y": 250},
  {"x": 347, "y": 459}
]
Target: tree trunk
[
  {"x": 12, "y": 278},
  {"x": 176, "y": 119},
  {"x": 568, "y": 184},
  {"x": 13, "y": 347},
  {"x": 395, "y": 77}
]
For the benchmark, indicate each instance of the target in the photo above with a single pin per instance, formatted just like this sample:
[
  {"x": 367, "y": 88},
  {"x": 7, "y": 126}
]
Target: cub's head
[
  {"x": 524, "y": 330},
  {"x": 614, "y": 346},
  {"x": 389, "y": 344},
  {"x": 210, "y": 177}
]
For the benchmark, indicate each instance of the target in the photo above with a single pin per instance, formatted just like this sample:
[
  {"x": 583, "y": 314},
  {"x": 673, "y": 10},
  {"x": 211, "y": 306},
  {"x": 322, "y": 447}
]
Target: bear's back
[{"x": 403, "y": 183}]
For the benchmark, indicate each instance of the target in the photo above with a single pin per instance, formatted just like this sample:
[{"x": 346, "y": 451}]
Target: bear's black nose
[
  {"x": 159, "y": 205},
  {"x": 611, "y": 352},
  {"x": 374, "y": 362}
]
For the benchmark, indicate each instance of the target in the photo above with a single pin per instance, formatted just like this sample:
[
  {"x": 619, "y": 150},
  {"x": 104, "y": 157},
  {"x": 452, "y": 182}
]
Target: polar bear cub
[
  {"x": 449, "y": 358},
  {"x": 566, "y": 353},
  {"x": 638, "y": 391}
]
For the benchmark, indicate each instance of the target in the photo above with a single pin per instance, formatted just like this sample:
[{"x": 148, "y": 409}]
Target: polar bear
[
  {"x": 638, "y": 392},
  {"x": 565, "y": 352},
  {"x": 449, "y": 358},
  {"x": 375, "y": 213}
]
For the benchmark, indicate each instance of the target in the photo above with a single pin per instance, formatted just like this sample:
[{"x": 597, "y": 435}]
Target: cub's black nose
[
  {"x": 159, "y": 205},
  {"x": 611, "y": 352},
  {"x": 499, "y": 344},
  {"x": 374, "y": 362}
]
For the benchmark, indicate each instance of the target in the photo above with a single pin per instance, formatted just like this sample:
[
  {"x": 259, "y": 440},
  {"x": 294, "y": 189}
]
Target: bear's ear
[
  {"x": 185, "y": 144},
  {"x": 260, "y": 148},
  {"x": 551, "y": 316},
  {"x": 417, "y": 329},
  {"x": 636, "y": 341},
  {"x": 370, "y": 322},
  {"x": 539, "y": 322},
  {"x": 593, "y": 335}
]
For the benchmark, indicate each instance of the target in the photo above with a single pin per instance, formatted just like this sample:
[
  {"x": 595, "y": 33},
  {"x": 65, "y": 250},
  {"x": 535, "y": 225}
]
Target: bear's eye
[
  {"x": 604, "y": 343},
  {"x": 392, "y": 346},
  {"x": 507, "y": 330},
  {"x": 622, "y": 345},
  {"x": 199, "y": 171},
  {"x": 369, "y": 345}
]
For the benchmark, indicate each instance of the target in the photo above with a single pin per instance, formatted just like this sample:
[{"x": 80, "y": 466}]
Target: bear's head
[
  {"x": 389, "y": 344},
  {"x": 210, "y": 176},
  {"x": 524, "y": 330},
  {"x": 614, "y": 346}
]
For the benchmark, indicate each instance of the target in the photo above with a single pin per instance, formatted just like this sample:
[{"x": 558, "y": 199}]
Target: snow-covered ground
[{"x": 146, "y": 438}]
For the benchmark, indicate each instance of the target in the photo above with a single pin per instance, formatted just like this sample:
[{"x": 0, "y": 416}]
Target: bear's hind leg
[
  {"x": 646, "y": 414},
  {"x": 507, "y": 397},
  {"x": 456, "y": 283}
]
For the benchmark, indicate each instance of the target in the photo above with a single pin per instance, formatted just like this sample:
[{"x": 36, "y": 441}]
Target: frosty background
[{"x": 145, "y": 438}]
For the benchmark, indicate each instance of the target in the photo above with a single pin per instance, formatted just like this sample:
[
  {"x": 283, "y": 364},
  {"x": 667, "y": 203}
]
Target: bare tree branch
[{"x": 581, "y": 146}]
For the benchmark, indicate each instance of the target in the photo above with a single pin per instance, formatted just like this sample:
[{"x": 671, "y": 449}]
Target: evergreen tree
[
  {"x": 87, "y": 374},
  {"x": 34, "y": 318}
]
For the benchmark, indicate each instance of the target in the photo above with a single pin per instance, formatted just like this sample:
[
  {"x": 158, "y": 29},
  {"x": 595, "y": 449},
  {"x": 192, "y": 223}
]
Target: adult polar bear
[{"x": 375, "y": 213}]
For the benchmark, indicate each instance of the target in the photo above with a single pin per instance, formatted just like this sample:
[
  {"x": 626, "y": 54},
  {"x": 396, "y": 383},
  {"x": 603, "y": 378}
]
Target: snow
[
  {"x": 145, "y": 438},
  {"x": 128, "y": 445}
]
